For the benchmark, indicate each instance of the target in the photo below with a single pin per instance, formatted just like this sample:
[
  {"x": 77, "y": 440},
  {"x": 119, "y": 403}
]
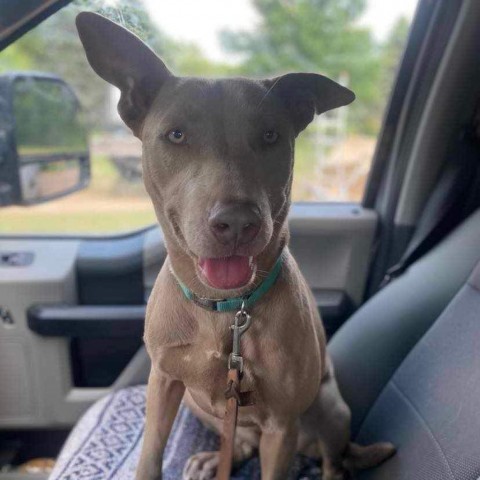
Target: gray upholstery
[
  {"x": 431, "y": 407},
  {"x": 370, "y": 347}
]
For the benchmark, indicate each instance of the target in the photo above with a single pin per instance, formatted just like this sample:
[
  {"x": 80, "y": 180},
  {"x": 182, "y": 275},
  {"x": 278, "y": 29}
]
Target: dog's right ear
[
  {"x": 122, "y": 59},
  {"x": 308, "y": 94}
]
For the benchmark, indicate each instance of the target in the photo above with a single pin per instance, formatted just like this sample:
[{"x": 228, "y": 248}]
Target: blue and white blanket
[{"x": 106, "y": 442}]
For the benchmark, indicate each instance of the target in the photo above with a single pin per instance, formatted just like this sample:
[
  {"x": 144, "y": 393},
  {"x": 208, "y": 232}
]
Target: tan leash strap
[
  {"x": 234, "y": 396},
  {"x": 227, "y": 439}
]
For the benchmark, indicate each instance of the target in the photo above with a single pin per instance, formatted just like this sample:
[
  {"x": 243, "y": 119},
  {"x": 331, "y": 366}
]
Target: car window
[{"x": 358, "y": 43}]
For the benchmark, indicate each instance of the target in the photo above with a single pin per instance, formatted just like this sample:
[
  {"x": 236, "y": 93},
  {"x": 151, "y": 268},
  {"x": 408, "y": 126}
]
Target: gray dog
[{"x": 218, "y": 166}]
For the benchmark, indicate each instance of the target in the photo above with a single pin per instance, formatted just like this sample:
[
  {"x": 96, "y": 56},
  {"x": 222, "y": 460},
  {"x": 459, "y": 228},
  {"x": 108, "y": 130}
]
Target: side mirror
[{"x": 43, "y": 143}]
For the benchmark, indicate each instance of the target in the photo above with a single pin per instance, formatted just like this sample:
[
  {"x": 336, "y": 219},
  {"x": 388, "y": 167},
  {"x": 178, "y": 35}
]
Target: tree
[
  {"x": 316, "y": 36},
  {"x": 392, "y": 52},
  {"x": 54, "y": 47}
]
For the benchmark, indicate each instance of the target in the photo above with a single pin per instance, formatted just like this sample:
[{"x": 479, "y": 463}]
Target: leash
[{"x": 234, "y": 396}]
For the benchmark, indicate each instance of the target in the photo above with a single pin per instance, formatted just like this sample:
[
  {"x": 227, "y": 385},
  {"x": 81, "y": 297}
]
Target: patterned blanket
[{"x": 106, "y": 442}]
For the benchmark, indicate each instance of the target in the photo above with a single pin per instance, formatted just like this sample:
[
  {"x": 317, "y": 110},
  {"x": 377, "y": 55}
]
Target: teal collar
[{"x": 232, "y": 304}]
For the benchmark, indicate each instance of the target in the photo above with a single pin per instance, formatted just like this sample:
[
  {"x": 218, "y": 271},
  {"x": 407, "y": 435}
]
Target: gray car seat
[
  {"x": 411, "y": 374},
  {"x": 407, "y": 362}
]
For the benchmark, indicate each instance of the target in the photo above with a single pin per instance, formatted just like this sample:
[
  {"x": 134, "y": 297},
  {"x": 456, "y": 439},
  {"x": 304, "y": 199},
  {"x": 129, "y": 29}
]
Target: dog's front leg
[
  {"x": 163, "y": 399},
  {"x": 277, "y": 450}
]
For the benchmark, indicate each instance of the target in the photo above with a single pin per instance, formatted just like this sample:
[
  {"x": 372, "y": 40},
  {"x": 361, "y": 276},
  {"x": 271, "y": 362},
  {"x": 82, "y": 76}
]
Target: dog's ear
[
  {"x": 122, "y": 59},
  {"x": 307, "y": 94}
]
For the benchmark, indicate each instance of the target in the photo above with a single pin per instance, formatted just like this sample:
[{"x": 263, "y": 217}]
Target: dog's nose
[{"x": 234, "y": 223}]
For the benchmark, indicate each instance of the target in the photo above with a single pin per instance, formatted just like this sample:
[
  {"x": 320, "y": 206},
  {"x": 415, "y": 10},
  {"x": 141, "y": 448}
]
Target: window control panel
[{"x": 16, "y": 259}]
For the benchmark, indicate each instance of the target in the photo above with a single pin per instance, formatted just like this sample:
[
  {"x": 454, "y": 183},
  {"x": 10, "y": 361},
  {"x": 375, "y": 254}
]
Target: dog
[{"x": 217, "y": 159}]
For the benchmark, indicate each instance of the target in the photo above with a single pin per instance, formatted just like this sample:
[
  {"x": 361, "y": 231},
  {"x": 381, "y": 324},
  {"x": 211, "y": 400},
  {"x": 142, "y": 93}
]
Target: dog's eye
[
  {"x": 270, "y": 137},
  {"x": 176, "y": 136}
]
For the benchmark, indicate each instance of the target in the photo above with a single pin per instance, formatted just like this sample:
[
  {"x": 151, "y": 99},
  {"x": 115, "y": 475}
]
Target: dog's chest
[{"x": 273, "y": 370}]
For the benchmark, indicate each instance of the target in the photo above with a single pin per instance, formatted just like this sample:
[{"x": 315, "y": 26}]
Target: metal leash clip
[{"x": 242, "y": 323}]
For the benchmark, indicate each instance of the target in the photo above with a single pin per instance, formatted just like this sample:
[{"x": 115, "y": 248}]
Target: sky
[{"x": 200, "y": 21}]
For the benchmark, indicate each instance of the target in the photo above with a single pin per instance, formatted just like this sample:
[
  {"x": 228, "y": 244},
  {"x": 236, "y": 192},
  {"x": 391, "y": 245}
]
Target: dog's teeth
[{"x": 250, "y": 261}]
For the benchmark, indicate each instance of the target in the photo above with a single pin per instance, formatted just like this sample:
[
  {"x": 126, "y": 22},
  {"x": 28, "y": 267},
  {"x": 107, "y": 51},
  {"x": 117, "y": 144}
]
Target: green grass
[
  {"x": 47, "y": 150},
  {"x": 128, "y": 208},
  {"x": 85, "y": 222}
]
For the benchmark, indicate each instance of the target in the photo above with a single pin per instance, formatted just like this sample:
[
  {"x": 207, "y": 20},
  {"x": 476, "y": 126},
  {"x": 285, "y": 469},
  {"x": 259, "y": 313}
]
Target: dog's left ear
[
  {"x": 122, "y": 59},
  {"x": 307, "y": 94}
]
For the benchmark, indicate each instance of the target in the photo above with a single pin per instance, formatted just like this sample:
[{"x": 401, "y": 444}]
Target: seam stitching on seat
[{"x": 412, "y": 406}]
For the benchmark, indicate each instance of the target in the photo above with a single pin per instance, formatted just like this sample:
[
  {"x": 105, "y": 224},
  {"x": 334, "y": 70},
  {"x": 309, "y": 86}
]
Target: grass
[
  {"x": 109, "y": 205},
  {"x": 78, "y": 222}
]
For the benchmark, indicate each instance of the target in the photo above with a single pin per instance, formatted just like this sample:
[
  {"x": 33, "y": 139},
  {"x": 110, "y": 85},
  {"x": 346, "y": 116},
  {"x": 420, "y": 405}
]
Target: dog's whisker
[{"x": 262, "y": 271}]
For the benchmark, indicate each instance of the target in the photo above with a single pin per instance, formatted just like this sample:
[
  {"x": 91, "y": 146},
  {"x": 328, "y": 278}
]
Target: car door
[{"x": 75, "y": 274}]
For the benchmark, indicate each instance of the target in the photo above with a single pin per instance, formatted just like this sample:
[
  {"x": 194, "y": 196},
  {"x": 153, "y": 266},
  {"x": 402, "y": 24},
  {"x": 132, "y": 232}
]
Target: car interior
[{"x": 396, "y": 278}]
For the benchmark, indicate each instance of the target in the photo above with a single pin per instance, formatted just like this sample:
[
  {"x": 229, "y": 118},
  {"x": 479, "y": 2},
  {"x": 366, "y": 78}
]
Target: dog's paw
[{"x": 201, "y": 466}]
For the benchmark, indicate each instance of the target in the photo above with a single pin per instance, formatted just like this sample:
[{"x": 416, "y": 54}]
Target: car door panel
[
  {"x": 332, "y": 245},
  {"x": 33, "y": 392},
  {"x": 63, "y": 365}
]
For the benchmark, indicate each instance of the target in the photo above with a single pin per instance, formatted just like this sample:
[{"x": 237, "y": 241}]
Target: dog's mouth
[{"x": 227, "y": 273}]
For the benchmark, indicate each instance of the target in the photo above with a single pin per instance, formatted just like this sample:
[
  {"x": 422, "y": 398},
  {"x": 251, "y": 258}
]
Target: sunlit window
[{"x": 358, "y": 43}]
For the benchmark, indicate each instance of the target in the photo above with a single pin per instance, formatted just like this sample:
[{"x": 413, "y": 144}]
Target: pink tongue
[{"x": 226, "y": 273}]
